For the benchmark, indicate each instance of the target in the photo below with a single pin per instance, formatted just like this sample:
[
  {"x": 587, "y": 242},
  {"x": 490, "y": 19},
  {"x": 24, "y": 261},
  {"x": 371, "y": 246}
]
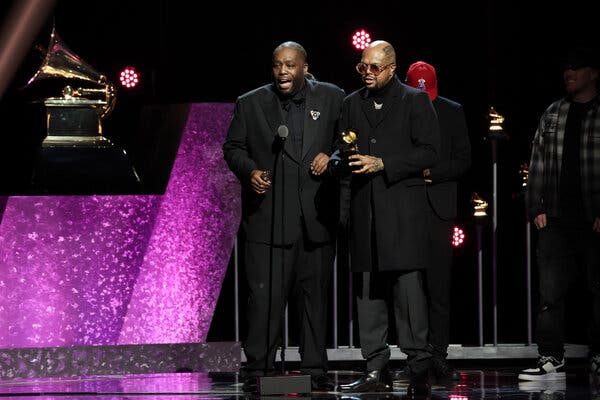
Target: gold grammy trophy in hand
[
  {"x": 345, "y": 146},
  {"x": 75, "y": 118}
]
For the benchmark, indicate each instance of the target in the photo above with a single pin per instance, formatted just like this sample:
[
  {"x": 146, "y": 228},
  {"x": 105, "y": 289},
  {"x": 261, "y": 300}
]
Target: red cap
[{"x": 422, "y": 76}]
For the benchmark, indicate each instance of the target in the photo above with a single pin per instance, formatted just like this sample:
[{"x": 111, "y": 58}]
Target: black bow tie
[{"x": 285, "y": 104}]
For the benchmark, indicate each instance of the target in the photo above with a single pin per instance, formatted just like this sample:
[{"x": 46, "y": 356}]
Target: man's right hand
[
  {"x": 259, "y": 185},
  {"x": 540, "y": 221}
]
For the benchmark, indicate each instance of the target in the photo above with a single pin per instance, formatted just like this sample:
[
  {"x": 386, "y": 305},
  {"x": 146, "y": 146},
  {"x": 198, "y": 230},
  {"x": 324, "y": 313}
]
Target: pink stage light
[
  {"x": 458, "y": 236},
  {"x": 361, "y": 39},
  {"x": 129, "y": 77}
]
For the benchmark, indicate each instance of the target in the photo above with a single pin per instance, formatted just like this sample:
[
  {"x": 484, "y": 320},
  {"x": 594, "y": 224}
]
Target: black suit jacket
[
  {"x": 393, "y": 201},
  {"x": 252, "y": 143},
  {"x": 454, "y": 159}
]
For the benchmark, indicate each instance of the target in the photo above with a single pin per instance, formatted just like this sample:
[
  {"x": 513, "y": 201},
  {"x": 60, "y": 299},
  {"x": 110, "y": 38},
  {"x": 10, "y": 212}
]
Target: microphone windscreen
[{"x": 283, "y": 131}]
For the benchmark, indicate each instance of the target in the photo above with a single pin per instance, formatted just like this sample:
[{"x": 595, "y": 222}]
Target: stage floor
[{"x": 479, "y": 380}]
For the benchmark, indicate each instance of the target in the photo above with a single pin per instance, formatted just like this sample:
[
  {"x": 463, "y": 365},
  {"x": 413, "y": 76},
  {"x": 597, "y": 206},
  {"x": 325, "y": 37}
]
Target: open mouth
[{"x": 284, "y": 84}]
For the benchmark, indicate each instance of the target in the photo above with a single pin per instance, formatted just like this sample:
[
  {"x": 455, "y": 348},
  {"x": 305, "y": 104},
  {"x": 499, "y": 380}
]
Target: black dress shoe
[
  {"x": 322, "y": 383},
  {"x": 372, "y": 381},
  {"x": 441, "y": 370},
  {"x": 401, "y": 374}
]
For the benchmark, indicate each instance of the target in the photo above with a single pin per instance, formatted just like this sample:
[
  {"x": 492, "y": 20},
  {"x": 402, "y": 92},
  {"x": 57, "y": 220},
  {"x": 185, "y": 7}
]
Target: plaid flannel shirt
[{"x": 546, "y": 160}]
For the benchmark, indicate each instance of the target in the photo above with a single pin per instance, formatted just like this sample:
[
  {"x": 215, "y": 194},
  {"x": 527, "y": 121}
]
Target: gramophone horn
[{"x": 61, "y": 62}]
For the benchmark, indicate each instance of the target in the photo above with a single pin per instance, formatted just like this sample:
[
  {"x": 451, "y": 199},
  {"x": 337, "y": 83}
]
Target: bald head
[
  {"x": 384, "y": 50},
  {"x": 292, "y": 45}
]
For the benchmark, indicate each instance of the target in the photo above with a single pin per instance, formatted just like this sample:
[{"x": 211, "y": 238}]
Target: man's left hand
[
  {"x": 367, "y": 164},
  {"x": 596, "y": 226},
  {"x": 319, "y": 164}
]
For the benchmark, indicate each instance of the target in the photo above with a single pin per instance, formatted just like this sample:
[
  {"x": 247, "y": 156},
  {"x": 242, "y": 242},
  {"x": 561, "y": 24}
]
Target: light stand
[
  {"x": 480, "y": 214},
  {"x": 495, "y": 133},
  {"x": 524, "y": 172}
]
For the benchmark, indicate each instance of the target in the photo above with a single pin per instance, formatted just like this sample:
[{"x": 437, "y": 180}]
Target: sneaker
[
  {"x": 595, "y": 365},
  {"x": 548, "y": 369}
]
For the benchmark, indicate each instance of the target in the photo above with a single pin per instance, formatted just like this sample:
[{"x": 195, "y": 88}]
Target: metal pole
[
  {"x": 350, "y": 306},
  {"x": 494, "y": 248},
  {"x": 335, "y": 306},
  {"x": 480, "y": 282},
  {"x": 236, "y": 300},
  {"x": 287, "y": 330},
  {"x": 528, "y": 250}
]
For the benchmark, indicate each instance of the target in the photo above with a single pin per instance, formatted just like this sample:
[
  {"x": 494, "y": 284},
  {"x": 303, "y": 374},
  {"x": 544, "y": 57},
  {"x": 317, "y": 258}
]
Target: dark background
[{"x": 490, "y": 53}]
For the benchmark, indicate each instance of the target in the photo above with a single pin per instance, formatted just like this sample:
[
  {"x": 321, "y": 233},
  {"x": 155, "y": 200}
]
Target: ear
[{"x": 305, "y": 68}]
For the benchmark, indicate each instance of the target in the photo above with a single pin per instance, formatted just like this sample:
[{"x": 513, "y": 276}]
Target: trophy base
[{"x": 76, "y": 141}]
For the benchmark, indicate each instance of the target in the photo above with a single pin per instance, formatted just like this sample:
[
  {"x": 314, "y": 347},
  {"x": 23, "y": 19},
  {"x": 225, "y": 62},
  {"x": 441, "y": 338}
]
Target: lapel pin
[{"x": 315, "y": 114}]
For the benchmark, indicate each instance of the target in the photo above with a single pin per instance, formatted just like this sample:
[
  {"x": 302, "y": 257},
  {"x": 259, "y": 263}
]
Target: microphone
[{"x": 283, "y": 132}]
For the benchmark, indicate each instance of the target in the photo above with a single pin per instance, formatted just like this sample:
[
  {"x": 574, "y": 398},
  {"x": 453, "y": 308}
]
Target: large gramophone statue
[{"x": 75, "y": 117}]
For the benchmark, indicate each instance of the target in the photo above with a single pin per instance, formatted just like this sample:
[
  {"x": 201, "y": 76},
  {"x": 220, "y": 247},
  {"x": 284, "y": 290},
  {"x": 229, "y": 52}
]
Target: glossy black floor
[{"x": 486, "y": 379}]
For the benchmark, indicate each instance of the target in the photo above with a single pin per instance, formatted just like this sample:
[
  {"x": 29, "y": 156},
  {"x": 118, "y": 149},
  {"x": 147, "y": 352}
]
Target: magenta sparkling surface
[{"x": 93, "y": 270}]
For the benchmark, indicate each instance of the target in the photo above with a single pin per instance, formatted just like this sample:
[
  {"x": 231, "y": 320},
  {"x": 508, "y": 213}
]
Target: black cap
[{"x": 582, "y": 56}]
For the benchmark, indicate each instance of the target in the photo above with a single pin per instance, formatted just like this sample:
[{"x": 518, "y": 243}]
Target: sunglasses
[{"x": 362, "y": 68}]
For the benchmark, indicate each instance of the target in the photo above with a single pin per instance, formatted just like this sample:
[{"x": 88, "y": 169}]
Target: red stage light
[
  {"x": 129, "y": 77},
  {"x": 361, "y": 39},
  {"x": 458, "y": 236}
]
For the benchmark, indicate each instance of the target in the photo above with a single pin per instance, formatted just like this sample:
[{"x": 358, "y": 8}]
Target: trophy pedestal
[{"x": 64, "y": 170}]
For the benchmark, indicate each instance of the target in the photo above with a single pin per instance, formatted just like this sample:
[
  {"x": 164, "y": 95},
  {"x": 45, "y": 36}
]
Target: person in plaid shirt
[{"x": 563, "y": 199}]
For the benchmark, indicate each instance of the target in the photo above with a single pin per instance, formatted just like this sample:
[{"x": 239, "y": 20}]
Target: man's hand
[
  {"x": 367, "y": 164},
  {"x": 260, "y": 181},
  {"x": 540, "y": 221},
  {"x": 596, "y": 226},
  {"x": 319, "y": 164}
]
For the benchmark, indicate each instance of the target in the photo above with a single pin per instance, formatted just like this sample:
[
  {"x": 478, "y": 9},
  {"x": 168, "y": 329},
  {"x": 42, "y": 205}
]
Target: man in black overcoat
[{"x": 398, "y": 137}]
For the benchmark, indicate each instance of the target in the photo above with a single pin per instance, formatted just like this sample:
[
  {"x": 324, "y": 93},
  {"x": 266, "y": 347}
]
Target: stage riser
[{"x": 46, "y": 362}]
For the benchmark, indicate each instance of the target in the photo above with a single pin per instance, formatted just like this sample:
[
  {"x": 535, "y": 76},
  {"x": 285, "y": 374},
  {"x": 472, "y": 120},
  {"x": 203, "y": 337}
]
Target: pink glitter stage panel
[
  {"x": 94, "y": 270},
  {"x": 179, "y": 283}
]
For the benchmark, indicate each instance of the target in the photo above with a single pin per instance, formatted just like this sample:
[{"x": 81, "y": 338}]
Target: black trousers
[
  {"x": 300, "y": 272},
  {"x": 563, "y": 252},
  {"x": 438, "y": 282},
  {"x": 402, "y": 290}
]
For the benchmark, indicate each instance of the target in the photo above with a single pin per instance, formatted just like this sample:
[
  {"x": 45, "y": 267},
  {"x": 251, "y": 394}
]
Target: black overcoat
[{"x": 390, "y": 204}]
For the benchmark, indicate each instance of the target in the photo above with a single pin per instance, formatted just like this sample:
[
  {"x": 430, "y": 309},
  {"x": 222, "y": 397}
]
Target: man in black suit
[
  {"x": 277, "y": 146},
  {"x": 398, "y": 137},
  {"x": 442, "y": 189}
]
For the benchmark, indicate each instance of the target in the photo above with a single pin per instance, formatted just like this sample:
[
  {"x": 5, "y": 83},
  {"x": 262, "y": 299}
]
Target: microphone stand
[
  {"x": 283, "y": 306},
  {"x": 283, "y": 384}
]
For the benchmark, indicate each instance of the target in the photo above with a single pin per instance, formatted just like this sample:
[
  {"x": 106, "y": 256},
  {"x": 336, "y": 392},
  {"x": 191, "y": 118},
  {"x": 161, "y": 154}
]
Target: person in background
[
  {"x": 385, "y": 203},
  {"x": 563, "y": 199},
  {"x": 442, "y": 191},
  {"x": 277, "y": 146}
]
